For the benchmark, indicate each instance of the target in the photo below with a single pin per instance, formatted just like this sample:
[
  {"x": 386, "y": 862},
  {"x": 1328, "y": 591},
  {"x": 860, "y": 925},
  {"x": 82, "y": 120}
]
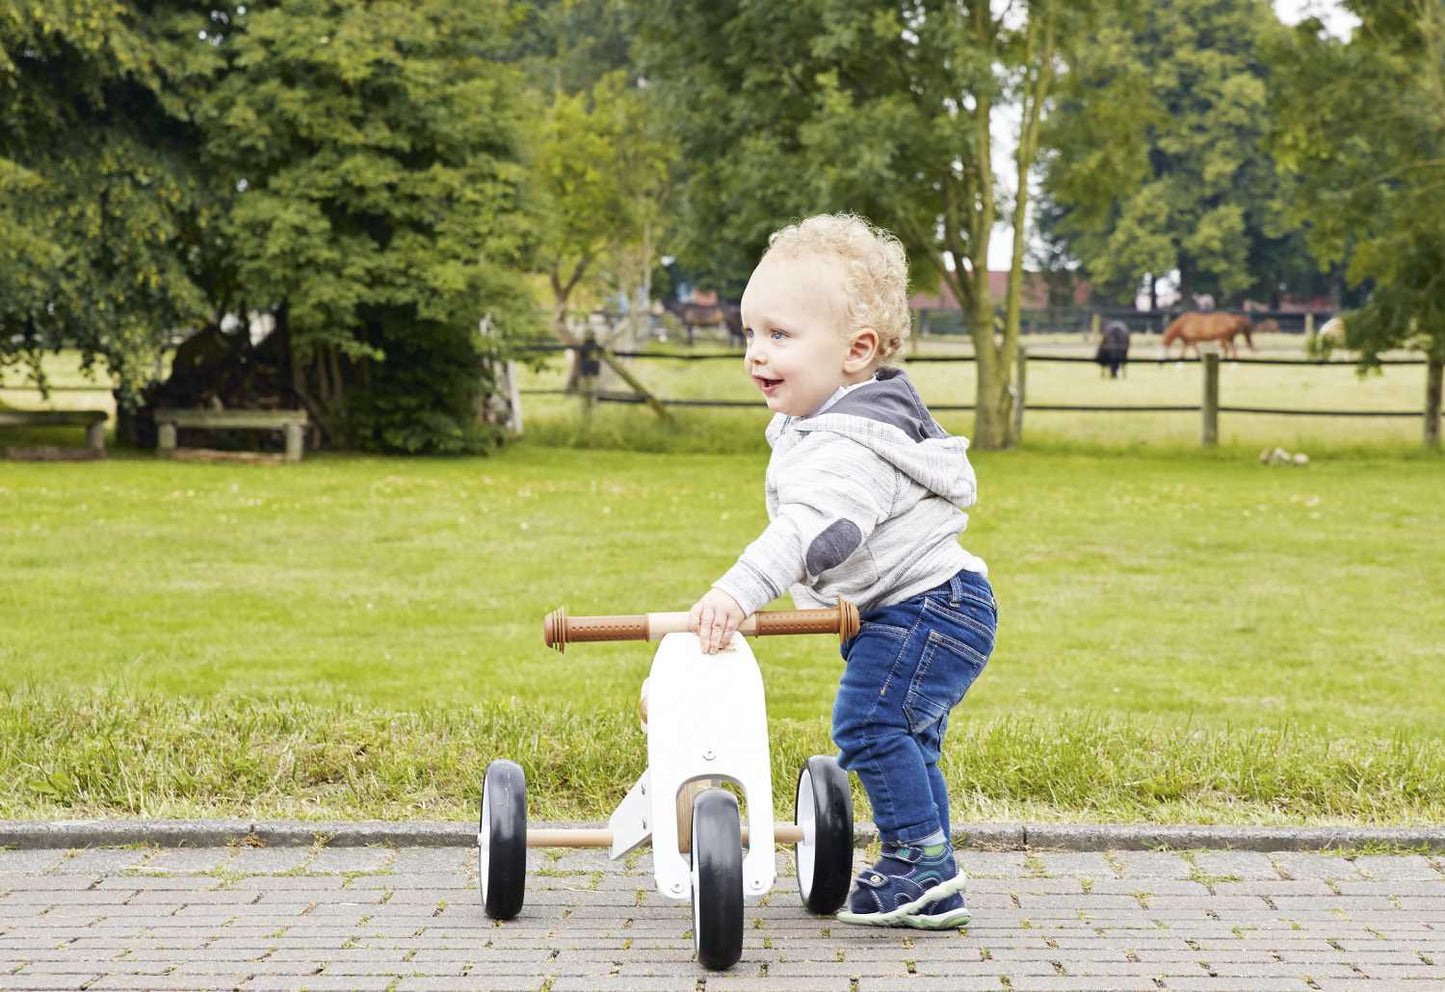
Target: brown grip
[
  {"x": 560, "y": 629},
  {"x": 843, "y": 621}
]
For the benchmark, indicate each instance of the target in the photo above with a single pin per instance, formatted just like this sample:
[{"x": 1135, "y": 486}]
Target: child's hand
[{"x": 714, "y": 618}]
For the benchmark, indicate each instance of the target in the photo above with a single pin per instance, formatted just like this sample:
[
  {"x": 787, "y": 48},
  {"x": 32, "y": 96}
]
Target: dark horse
[{"x": 1113, "y": 353}]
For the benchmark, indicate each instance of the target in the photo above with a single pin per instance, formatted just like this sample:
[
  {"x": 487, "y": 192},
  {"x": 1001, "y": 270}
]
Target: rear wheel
[
  {"x": 717, "y": 879},
  {"x": 502, "y": 839},
  {"x": 824, "y": 810}
]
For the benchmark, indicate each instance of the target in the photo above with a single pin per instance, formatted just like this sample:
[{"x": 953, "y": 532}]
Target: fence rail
[
  {"x": 1209, "y": 407},
  {"x": 678, "y": 356}
]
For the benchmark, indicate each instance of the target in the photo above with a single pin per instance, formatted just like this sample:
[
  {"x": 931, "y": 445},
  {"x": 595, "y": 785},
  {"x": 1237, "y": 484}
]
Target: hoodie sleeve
[{"x": 832, "y": 493}]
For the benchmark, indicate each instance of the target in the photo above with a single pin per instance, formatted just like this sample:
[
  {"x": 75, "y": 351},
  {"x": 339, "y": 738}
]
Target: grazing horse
[
  {"x": 1192, "y": 328},
  {"x": 1332, "y": 332},
  {"x": 1113, "y": 350},
  {"x": 692, "y": 315}
]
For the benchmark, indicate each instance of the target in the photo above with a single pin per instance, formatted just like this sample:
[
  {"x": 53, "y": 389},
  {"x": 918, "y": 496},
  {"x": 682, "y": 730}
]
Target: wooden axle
[
  {"x": 558, "y": 630},
  {"x": 783, "y": 833}
]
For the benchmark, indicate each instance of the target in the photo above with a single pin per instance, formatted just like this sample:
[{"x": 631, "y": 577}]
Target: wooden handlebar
[{"x": 558, "y": 630}]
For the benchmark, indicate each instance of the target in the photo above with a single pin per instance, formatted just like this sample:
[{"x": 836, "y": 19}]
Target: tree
[
  {"x": 599, "y": 164},
  {"x": 883, "y": 108},
  {"x": 378, "y": 203},
  {"x": 1362, "y": 137},
  {"x": 105, "y": 206},
  {"x": 600, "y": 170},
  {"x": 1157, "y": 157}
]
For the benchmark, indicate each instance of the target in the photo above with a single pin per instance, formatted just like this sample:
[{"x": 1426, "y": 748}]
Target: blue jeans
[{"x": 907, "y": 667}]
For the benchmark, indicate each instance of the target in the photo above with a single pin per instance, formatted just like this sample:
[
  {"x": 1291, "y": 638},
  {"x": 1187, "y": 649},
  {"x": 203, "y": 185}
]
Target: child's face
[{"x": 795, "y": 325}]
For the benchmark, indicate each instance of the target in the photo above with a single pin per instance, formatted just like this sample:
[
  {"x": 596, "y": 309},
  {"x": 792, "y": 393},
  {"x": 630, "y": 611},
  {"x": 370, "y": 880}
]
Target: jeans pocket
[
  {"x": 975, "y": 618},
  {"x": 945, "y": 671}
]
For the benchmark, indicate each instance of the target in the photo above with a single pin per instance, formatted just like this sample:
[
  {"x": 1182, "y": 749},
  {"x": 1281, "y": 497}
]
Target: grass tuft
[{"x": 118, "y": 752}]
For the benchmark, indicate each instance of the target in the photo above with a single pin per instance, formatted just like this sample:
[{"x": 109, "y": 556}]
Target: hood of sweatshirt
[{"x": 888, "y": 417}]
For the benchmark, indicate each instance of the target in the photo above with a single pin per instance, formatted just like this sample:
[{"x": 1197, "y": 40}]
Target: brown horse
[
  {"x": 1192, "y": 328},
  {"x": 724, "y": 312}
]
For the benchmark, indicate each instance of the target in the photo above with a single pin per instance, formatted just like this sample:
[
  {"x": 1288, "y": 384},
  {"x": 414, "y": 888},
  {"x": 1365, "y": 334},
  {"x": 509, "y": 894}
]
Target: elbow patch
[{"x": 833, "y": 546}]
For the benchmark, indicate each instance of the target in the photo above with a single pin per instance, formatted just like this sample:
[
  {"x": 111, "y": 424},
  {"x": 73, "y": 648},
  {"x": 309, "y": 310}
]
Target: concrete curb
[{"x": 31, "y": 834}]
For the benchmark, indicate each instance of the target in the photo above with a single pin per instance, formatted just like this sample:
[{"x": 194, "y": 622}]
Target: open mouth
[{"x": 768, "y": 386}]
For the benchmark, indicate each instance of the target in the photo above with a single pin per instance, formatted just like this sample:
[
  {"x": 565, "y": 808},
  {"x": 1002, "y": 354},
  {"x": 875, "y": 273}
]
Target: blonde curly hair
[{"x": 875, "y": 271}]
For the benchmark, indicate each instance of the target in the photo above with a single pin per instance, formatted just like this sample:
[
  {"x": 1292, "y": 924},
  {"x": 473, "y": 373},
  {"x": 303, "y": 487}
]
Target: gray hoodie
[{"x": 866, "y": 501}]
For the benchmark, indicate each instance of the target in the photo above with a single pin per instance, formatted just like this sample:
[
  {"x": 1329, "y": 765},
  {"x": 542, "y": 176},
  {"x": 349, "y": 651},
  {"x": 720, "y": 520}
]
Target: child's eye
[{"x": 778, "y": 335}]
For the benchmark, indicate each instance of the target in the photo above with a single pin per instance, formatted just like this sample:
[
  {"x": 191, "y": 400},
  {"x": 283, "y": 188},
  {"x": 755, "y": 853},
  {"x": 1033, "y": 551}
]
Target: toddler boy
[{"x": 865, "y": 493}]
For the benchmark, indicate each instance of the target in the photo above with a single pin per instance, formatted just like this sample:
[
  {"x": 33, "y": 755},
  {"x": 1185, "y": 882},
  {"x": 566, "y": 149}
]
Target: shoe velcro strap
[{"x": 908, "y": 855}]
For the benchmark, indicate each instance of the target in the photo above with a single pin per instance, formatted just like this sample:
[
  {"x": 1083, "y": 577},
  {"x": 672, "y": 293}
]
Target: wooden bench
[
  {"x": 293, "y": 422},
  {"x": 92, "y": 420}
]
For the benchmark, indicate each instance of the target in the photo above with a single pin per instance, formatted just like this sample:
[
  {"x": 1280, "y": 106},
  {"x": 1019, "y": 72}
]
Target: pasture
[{"x": 1184, "y": 635}]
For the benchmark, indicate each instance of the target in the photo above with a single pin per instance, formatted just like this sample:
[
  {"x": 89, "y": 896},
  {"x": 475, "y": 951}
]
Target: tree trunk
[
  {"x": 993, "y": 406},
  {"x": 1039, "y": 43}
]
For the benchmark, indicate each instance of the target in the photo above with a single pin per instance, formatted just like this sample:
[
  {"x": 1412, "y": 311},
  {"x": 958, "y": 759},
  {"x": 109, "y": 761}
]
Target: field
[{"x": 1186, "y": 635}]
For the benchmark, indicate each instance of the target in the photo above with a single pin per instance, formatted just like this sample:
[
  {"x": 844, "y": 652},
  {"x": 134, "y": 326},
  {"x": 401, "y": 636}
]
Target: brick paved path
[{"x": 378, "y": 918}]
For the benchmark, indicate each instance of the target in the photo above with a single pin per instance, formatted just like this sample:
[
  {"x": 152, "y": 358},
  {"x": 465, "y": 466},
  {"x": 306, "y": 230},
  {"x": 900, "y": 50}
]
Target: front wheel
[
  {"x": 502, "y": 839},
  {"x": 824, "y": 811},
  {"x": 717, "y": 879}
]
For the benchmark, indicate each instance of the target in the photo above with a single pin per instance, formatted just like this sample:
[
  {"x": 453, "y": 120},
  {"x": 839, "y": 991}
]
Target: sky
[{"x": 1336, "y": 19}]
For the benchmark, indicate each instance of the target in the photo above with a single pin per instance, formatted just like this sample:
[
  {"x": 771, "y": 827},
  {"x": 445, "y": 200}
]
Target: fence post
[
  {"x": 1211, "y": 399},
  {"x": 514, "y": 399},
  {"x": 1020, "y": 369},
  {"x": 1309, "y": 328},
  {"x": 1434, "y": 372},
  {"x": 1094, "y": 322},
  {"x": 589, "y": 368}
]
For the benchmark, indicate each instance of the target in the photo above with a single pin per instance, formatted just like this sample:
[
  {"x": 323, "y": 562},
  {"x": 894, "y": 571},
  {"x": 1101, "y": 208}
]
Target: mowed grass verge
[{"x": 1184, "y": 636}]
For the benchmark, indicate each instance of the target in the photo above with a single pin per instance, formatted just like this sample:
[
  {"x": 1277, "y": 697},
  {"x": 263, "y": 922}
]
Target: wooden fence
[{"x": 1208, "y": 407}]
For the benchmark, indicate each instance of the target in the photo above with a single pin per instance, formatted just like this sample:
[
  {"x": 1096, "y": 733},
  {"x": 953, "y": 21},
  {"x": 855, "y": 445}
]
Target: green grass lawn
[{"x": 1183, "y": 635}]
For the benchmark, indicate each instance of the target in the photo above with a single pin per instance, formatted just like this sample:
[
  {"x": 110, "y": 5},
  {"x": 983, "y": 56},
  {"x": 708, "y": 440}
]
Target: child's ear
[{"x": 862, "y": 349}]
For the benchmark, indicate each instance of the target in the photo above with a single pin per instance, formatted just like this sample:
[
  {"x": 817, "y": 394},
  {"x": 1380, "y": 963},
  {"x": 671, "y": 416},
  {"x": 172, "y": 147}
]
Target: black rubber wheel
[
  {"x": 823, "y": 807},
  {"x": 717, "y": 879},
  {"x": 502, "y": 839}
]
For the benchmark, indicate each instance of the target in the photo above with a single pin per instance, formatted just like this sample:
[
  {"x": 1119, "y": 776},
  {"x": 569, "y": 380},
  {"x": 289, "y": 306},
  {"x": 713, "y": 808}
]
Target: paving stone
[
  {"x": 191, "y": 983},
  {"x": 188, "y": 860},
  {"x": 1411, "y": 867},
  {"x": 347, "y": 859},
  {"x": 1241, "y": 864},
  {"x": 317, "y": 983},
  {"x": 269, "y": 859},
  {"x": 1000, "y": 864},
  {"x": 29, "y": 862},
  {"x": 466, "y": 983},
  {"x": 1087, "y": 864},
  {"x": 1299, "y": 864},
  {"x": 1152, "y": 864},
  {"x": 434, "y": 860},
  {"x": 1390, "y": 888},
  {"x": 102, "y": 860}
]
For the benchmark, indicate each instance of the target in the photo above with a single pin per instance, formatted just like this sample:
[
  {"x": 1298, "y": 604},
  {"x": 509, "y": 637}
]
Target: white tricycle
[{"x": 706, "y": 725}]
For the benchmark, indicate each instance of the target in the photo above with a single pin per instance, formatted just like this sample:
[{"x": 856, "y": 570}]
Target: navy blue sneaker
[{"x": 904, "y": 883}]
